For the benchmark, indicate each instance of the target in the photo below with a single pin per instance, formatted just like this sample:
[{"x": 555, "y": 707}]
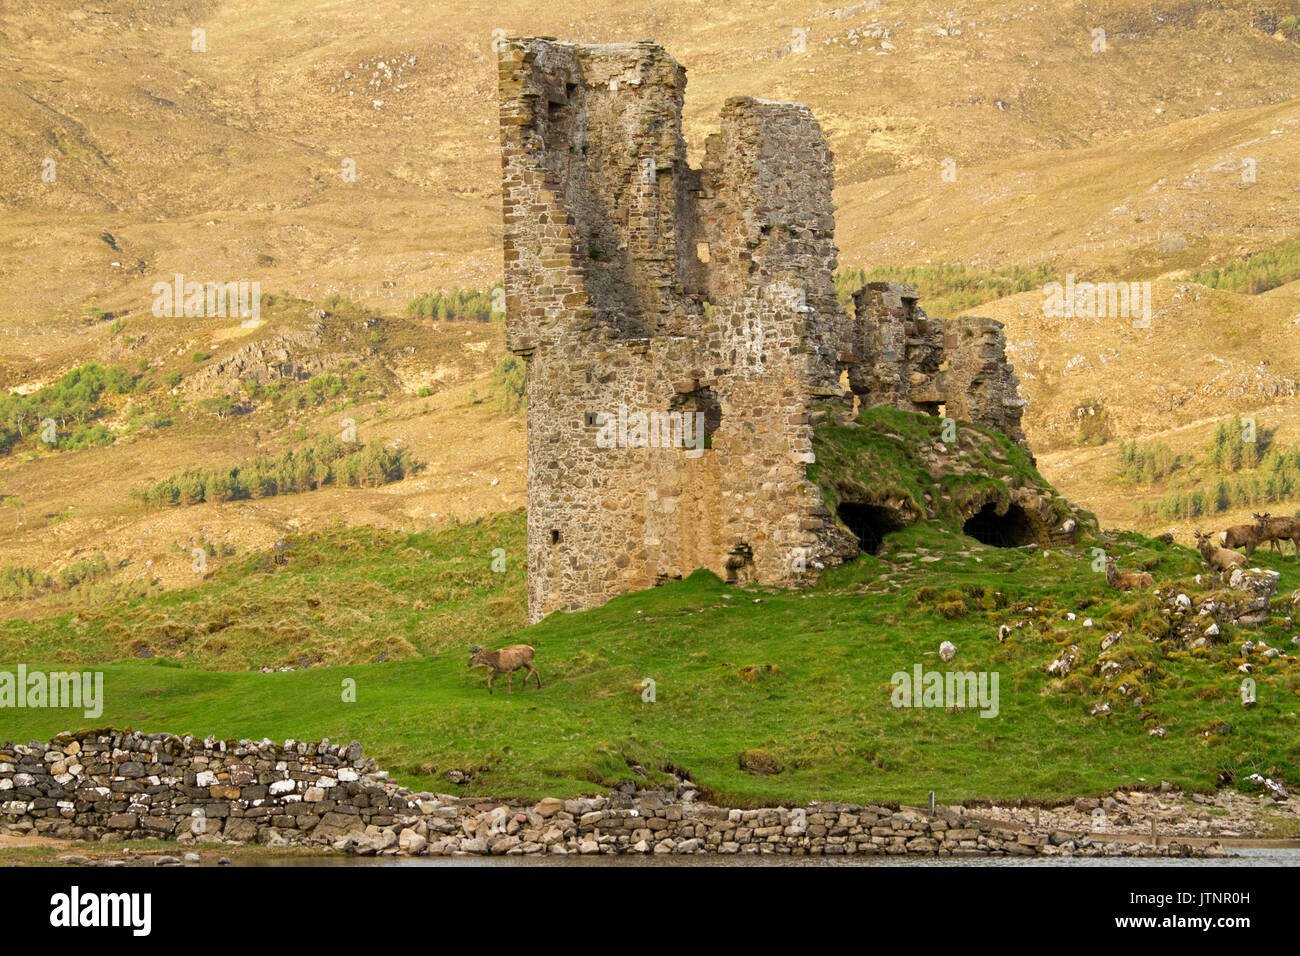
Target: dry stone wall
[
  {"x": 114, "y": 785},
  {"x": 637, "y": 285},
  {"x": 118, "y": 785}
]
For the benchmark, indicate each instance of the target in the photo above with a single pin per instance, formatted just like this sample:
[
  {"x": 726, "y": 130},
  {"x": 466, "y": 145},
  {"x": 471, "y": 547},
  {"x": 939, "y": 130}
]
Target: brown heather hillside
[{"x": 228, "y": 164}]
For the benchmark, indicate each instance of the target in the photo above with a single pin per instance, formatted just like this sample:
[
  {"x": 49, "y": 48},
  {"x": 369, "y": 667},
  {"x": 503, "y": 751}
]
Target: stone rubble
[{"x": 1243, "y": 603}]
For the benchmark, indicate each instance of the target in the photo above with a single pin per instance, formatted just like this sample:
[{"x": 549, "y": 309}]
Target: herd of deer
[
  {"x": 1237, "y": 543},
  {"x": 1221, "y": 555}
]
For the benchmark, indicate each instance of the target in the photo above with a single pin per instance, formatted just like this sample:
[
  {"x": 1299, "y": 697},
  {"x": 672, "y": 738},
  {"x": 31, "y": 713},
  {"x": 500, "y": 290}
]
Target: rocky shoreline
[{"x": 111, "y": 786}]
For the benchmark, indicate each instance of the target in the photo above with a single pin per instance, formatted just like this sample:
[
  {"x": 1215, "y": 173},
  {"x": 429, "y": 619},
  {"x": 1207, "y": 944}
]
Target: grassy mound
[{"x": 891, "y": 455}]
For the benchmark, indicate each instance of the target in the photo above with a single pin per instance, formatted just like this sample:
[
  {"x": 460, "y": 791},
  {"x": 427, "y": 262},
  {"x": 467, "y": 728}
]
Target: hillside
[
  {"x": 801, "y": 683},
  {"x": 204, "y": 530},
  {"x": 441, "y": 410},
  {"x": 258, "y": 124},
  {"x": 1123, "y": 163}
]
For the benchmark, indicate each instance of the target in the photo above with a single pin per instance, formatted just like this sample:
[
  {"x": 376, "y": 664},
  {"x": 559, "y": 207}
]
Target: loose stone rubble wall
[
  {"x": 117, "y": 785},
  {"x": 110, "y": 785},
  {"x": 635, "y": 281}
]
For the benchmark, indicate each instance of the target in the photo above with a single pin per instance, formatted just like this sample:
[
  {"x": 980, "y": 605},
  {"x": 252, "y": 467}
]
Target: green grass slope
[
  {"x": 802, "y": 677},
  {"x": 348, "y": 595}
]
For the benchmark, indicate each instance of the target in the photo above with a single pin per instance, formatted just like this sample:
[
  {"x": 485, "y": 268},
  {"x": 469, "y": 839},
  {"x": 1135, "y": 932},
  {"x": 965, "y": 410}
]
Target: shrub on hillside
[
  {"x": 454, "y": 304},
  {"x": 509, "y": 381}
]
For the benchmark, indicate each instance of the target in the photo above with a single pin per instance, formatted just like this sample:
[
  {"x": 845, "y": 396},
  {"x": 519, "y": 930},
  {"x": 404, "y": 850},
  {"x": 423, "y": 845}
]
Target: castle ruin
[{"x": 641, "y": 290}]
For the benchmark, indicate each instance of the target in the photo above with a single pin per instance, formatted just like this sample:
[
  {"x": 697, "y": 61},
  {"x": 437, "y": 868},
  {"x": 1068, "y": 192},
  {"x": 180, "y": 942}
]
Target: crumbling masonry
[{"x": 636, "y": 284}]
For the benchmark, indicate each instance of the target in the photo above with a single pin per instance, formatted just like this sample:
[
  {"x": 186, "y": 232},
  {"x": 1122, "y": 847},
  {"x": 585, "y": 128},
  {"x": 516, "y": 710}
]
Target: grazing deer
[
  {"x": 1274, "y": 530},
  {"x": 1220, "y": 559},
  {"x": 1126, "y": 580},
  {"x": 507, "y": 661},
  {"x": 1244, "y": 536}
]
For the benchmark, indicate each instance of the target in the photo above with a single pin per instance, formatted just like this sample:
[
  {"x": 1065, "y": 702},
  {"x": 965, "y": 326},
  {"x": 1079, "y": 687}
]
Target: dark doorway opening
[
  {"x": 705, "y": 402},
  {"x": 740, "y": 564},
  {"x": 1011, "y": 530},
  {"x": 869, "y": 523}
]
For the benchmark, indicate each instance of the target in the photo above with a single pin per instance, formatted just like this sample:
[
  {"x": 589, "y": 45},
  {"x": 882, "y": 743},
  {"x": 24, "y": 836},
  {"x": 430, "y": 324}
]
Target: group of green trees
[
  {"x": 457, "y": 303},
  {"x": 1147, "y": 461},
  {"x": 289, "y": 395},
  {"x": 1256, "y": 272},
  {"x": 1237, "y": 445},
  {"x": 1277, "y": 479},
  {"x": 326, "y": 461},
  {"x": 1248, "y": 472},
  {"x": 17, "y": 581},
  {"x": 72, "y": 404}
]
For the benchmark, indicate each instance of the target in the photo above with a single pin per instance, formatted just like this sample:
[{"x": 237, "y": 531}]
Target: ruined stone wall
[
  {"x": 114, "y": 785},
  {"x": 119, "y": 785},
  {"x": 894, "y": 350},
  {"x": 977, "y": 381},
  {"x": 636, "y": 285},
  {"x": 898, "y": 356}
]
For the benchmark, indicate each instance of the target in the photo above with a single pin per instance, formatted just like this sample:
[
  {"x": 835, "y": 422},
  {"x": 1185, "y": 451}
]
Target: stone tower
[{"x": 680, "y": 324}]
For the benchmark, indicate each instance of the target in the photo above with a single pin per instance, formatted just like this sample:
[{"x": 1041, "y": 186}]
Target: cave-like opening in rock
[
  {"x": 869, "y": 523},
  {"x": 1010, "y": 530}
]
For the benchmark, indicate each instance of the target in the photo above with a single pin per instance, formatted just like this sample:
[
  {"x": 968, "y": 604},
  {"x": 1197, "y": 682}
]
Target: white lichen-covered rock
[
  {"x": 1064, "y": 662},
  {"x": 1274, "y": 789},
  {"x": 1259, "y": 581},
  {"x": 947, "y": 651}
]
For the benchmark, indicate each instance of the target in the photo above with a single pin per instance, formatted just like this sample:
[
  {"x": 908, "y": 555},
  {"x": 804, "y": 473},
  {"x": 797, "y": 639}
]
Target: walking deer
[{"x": 507, "y": 661}]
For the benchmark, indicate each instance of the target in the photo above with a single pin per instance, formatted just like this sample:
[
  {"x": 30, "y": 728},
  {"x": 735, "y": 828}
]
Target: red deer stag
[
  {"x": 1220, "y": 559},
  {"x": 507, "y": 661}
]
